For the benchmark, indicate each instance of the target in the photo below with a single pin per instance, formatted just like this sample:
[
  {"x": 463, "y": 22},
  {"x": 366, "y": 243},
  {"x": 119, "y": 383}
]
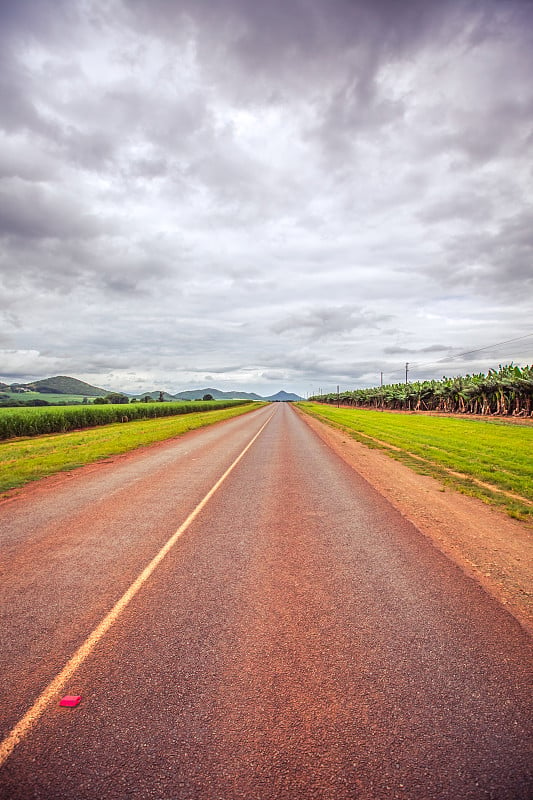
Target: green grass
[
  {"x": 500, "y": 455},
  {"x": 24, "y": 460},
  {"x": 35, "y": 421}
]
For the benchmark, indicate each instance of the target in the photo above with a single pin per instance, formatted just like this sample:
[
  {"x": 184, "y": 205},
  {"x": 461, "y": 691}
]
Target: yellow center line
[{"x": 26, "y": 723}]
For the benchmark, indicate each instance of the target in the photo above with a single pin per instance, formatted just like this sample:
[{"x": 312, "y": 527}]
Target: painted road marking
[{"x": 26, "y": 723}]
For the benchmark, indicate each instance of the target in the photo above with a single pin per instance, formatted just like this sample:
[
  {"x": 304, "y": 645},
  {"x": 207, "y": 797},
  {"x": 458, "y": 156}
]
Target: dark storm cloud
[
  {"x": 323, "y": 322},
  {"x": 27, "y": 18},
  {"x": 24, "y": 25},
  {"x": 18, "y": 160},
  {"x": 17, "y": 110},
  {"x": 469, "y": 206},
  {"x": 261, "y": 33},
  {"x": 499, "y": 259},
  {"x": 30, "y": 212},
  {"x": 304, "y": 364},
  {"x": 128, "y": 109},
  {"x": 480, "y": 135}
]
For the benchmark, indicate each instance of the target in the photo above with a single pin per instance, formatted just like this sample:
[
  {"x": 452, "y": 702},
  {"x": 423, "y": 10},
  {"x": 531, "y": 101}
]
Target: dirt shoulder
[{"x": 489, "y": 546}]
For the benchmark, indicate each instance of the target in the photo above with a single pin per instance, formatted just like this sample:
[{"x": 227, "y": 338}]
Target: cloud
[
  {"x": 262, "y": 192},
  {"x": 329, "y": 321},
  {"x": 497, "y": 260},
  {"x": 22, "y": 365},
  {"x": 433, "y": 348},
  {"x": 31, "y": 212}
]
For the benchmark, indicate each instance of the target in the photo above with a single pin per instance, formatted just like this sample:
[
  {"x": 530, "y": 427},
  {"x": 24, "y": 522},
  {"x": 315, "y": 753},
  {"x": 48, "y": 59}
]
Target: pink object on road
[{"x": 70, "y": 700}]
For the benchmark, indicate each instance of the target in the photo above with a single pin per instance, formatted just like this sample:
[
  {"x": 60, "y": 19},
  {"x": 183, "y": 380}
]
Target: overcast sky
[{"x": 262, "y": 195}]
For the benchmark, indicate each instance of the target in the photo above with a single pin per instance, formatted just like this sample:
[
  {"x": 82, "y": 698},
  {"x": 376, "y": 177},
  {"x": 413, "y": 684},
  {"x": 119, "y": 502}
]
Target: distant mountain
[
  {"x": 62, "y": 384},
  {"x": 196, "y": 394},
  {"x": 283, "y": 397},
  {"x": 216, "y": 394}
]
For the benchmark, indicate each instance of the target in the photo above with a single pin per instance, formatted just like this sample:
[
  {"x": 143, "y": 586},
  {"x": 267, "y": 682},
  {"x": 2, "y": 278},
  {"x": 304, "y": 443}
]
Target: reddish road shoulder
[{"x": 489, "y": 546}]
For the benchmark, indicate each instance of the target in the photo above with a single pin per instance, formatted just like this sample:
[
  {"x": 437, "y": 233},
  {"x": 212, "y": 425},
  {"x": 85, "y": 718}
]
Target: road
[{"x": 297, "y": 639}]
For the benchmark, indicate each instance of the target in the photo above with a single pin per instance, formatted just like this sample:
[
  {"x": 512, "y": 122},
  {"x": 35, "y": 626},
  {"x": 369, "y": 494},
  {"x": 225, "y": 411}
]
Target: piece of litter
[{"x": 70, "y": 700}]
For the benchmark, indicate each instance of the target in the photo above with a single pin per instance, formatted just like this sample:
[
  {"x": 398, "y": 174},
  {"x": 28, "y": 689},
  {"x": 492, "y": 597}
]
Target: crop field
[
  {"x": 492, "y": 460},
  {"x": 28, "y": 459},
  {"x": 36, "y": 421},
  {"x": 49, "y": 397},
  {"x": 506, "y": 391}
]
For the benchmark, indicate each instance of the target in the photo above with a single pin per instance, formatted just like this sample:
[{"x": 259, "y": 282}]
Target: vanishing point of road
[{"x": 245, "y": 618}]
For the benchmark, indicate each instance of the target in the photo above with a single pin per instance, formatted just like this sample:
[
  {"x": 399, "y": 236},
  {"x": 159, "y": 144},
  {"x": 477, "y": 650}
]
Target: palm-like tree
[{"x": 507, "y": 390}]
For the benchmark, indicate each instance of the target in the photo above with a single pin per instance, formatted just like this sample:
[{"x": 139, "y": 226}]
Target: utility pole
[
  {"x": 381, "y": 379},
  {"x": 338, "y": 399},
  {"x": 406, "y": 370}
]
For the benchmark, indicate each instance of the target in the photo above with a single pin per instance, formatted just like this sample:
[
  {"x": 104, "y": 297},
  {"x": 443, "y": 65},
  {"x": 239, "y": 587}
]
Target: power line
[
  {"x": 417, "y": 366},
  {"x": 480, "y": 349}
]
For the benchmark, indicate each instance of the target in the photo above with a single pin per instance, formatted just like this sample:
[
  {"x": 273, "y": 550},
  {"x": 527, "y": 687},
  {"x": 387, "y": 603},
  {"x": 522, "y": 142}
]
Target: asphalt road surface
[{"x": 298, "y": 638}]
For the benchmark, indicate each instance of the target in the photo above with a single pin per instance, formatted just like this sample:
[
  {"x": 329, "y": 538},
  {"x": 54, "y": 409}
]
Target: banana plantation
[{"x": 506, "y": 391}]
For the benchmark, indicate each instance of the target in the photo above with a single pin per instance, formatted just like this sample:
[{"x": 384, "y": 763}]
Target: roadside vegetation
[
  {"x": 505, "y": 391},
  {"x": 489, "y": 459},
  {"x": 24, "y": 460},
  {"x": 23, "y": 399},
  {"x": 15, "y": 422},
  {"x": 26, "y": 398}
]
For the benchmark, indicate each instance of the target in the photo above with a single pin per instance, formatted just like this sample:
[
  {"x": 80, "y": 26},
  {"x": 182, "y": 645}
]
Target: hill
[
  {"x": 62, "y": 384},
  {"x": 283, "y": 397},
  {"x": 216, "y": 394}
]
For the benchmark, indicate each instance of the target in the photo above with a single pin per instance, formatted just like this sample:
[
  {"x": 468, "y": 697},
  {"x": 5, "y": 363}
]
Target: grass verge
[
  {"x": 25, "y": 460},
  {"x": 483, "y": 459}
]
